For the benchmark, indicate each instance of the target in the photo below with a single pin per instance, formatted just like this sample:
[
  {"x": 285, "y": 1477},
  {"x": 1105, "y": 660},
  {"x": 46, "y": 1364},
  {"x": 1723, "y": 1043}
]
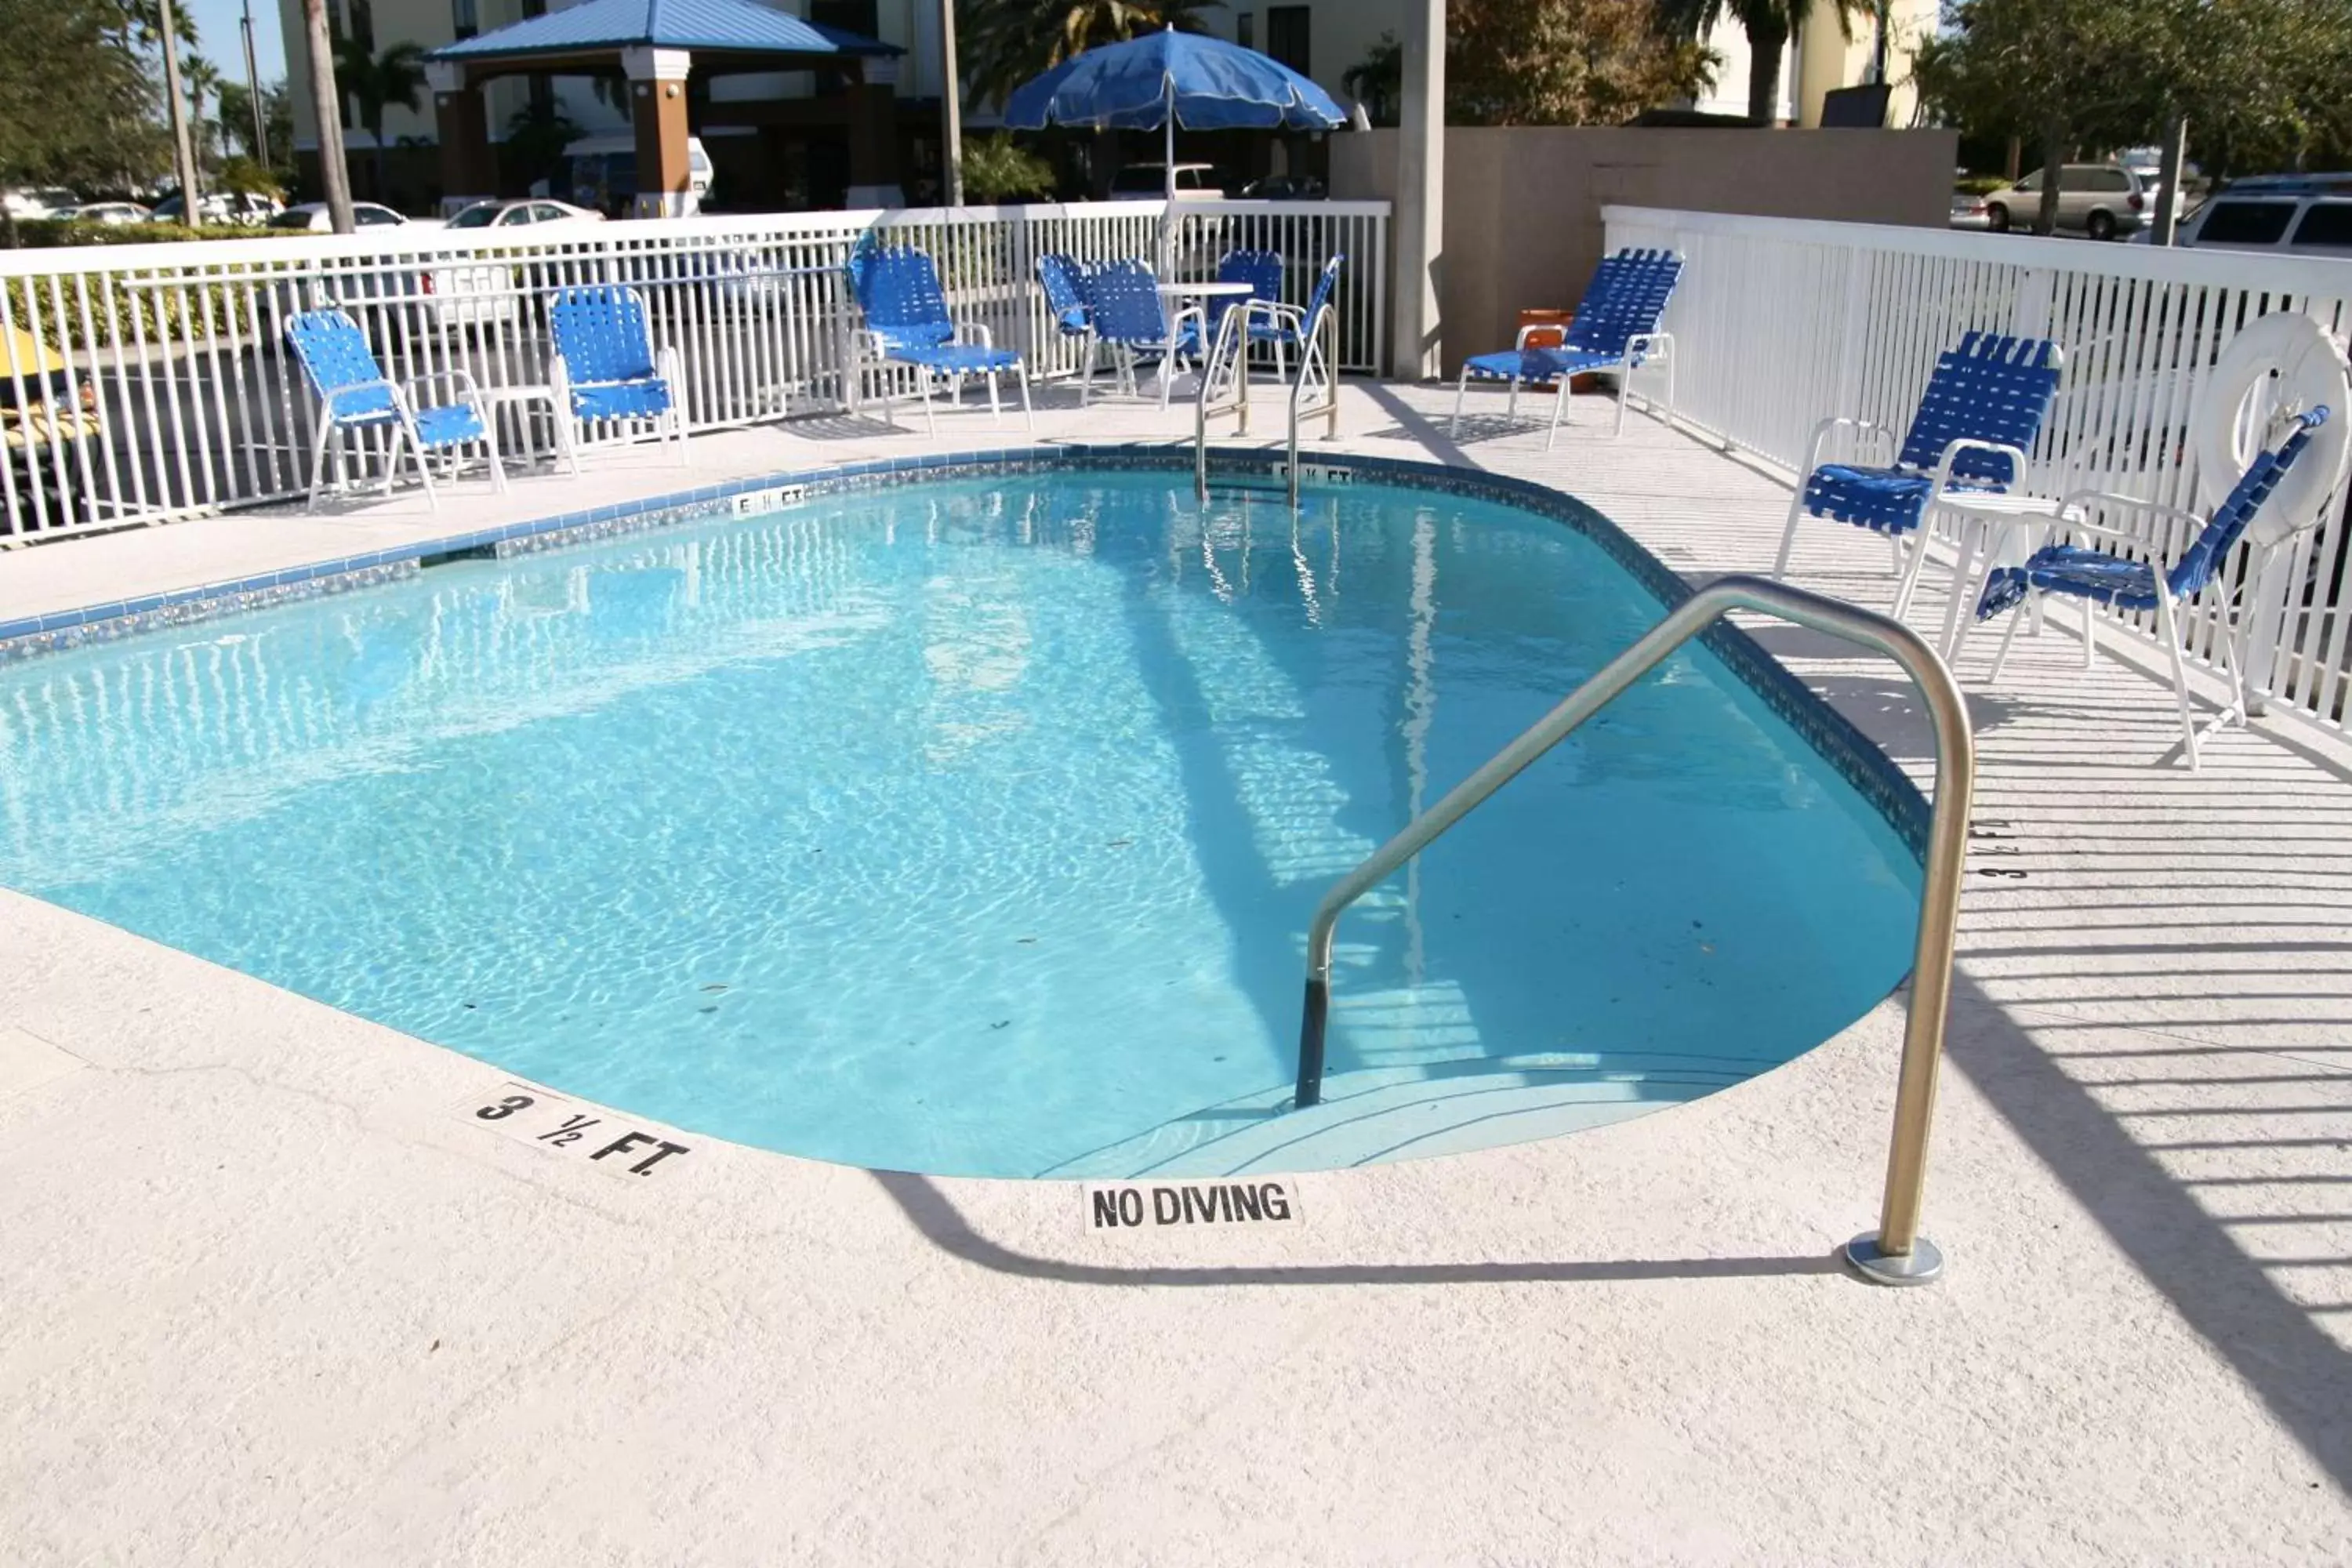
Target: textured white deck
[{"x": 266, "y": 1298}]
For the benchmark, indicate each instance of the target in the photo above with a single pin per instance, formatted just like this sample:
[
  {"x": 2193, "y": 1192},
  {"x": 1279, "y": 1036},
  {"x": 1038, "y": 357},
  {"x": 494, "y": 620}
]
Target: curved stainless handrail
[
  {"x": 1895, "y": 1253},
  {"x": 1230, "y": 342},
  {"x": 1323, "y": 334}
]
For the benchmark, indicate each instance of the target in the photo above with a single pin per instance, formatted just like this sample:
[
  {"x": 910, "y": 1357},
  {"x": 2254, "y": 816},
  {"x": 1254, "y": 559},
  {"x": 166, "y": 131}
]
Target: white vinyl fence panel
[
  {"x": 1781, "y": 322},
  {"x": 177, "y": 396}
]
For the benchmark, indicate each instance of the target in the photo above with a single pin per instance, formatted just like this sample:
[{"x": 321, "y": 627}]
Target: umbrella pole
[{"x": 1168, "y": 191}]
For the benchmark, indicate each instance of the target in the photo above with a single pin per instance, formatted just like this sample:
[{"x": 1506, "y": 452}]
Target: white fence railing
[
  {"x": 175, "y": 397},
  {"x": 1780, "y": 323}
]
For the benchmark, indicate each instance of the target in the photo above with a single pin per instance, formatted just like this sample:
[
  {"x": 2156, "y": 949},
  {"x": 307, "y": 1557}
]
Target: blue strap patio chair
[
  {"x": 1129, "y": 312},
  {"x": 1616, "y": 330},
  {"x": 355, "y": 394},
  {"x": 1983, "y": 407},
  {"x": 606, "y": 369},
  {"x": 2117, "y": 580},
  {"x": 907, "y": 323},
  {"x": 1261, "y": 271},
  {"x": 1062, "y": 278}
]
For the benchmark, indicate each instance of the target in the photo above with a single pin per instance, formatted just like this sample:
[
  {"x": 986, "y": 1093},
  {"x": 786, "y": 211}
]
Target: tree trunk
[
  {"x": 2054, "y": 170},
  {"x": 375, "y": 134},
  {"x": 1765, "y": 44},
  {"x": 327, "y": 107}
]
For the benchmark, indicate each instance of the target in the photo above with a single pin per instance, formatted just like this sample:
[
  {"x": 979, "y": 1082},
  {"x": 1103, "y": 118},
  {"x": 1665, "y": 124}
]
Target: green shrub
[
  {"x": 997, "y": 170},
  {"x": 46, "y": 233},
  {"x": 1979, "y": 185}
]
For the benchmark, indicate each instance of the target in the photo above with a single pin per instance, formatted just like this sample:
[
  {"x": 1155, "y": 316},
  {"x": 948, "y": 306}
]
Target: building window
[
  {"x": 849, "y": 15},
  {"x": 465, "y": 19},
  {"x": 1245, "y": 30},
  {"x": 1286, "y": 35}
]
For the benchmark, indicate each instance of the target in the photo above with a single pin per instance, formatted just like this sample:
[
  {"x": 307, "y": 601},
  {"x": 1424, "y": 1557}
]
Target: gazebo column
[
  {"x": 462, "y": 122},
  {"x": 873, "y": 134},
  {"x": 657, "y": 110}
]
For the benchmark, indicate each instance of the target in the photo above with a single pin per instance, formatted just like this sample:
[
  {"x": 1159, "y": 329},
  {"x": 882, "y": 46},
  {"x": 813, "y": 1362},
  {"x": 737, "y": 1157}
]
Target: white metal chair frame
[
  {"x": 332, "y": 425},
  {"x": 1643, "y": 351},
  {"x": 1942, "y": 494},
  {"x": 571, "y": 429},
  {"x": 2074, "y": 525},
  {"x": 871, "y": 350}
]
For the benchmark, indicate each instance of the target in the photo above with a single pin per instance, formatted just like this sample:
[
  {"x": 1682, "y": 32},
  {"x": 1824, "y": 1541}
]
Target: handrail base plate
[{"x": 1923, "y": 1265}]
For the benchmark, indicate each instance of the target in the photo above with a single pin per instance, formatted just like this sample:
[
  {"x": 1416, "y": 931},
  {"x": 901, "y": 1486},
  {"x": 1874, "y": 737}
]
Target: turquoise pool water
[{"x": 973, "y": 828}]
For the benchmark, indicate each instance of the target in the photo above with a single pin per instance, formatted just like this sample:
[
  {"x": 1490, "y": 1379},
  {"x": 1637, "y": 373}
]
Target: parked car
[
  {"x": 1969, "y": 211},
  {"x": 312, "y": 217},
  {"x": 2289, "y": 215},
  {"x": 515, "y": 212},
  {"x": 2100, "y": 200},
  {"x": 250, "y": 208},
  {"x": 1146, "y": 182},
  {"x": 600, "y": 174},
  {"x": 107, "y": 213},
  {"x": 49, "y": 201},
  {"x": 1285, "y": 188}
]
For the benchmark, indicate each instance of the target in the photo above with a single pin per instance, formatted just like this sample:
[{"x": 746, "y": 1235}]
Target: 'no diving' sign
[{"x": 1182, "y": 1206}]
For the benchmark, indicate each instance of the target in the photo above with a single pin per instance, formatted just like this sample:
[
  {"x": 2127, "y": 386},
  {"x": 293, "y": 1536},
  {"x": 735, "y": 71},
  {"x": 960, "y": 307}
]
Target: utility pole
[
  {"x": 2167, "y": 179},
  {"x": 327, "y": 107},
  {"x": 184, "y": 157},
  {"x": 253, "y": 91},
  {"x": 952, "y": 98}
]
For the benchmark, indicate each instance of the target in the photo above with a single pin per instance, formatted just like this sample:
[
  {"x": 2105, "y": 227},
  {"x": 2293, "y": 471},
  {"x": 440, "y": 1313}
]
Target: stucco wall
[{"x": 1523, "y": 205}]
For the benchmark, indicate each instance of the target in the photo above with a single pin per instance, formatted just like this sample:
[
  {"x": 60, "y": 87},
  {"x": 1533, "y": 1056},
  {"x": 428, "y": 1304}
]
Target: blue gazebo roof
[{"x": 735, "y": 26}]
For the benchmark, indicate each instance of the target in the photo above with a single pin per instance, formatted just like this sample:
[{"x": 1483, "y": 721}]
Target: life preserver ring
[{"x": 2282, "y": 362}]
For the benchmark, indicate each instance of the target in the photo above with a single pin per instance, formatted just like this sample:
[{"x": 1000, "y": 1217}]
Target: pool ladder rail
[
  {"x": 1229, "y": 355},
  {"x": 1894, "y": 1254}
]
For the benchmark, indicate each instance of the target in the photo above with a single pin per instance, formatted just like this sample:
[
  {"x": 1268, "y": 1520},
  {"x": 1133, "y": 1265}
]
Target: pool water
[{"x": 973, "y": 828}]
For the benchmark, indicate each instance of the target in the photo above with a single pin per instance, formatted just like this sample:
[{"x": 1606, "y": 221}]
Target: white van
[{"x": 601, "y": 172}]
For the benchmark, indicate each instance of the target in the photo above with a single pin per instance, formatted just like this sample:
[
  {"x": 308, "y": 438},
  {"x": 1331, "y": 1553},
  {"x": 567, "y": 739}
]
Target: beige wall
[{"x": 1523, "y": 205}]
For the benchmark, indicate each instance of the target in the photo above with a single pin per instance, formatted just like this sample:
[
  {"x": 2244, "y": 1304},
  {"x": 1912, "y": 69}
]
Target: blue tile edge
[{"x": 1854, "y": 755}]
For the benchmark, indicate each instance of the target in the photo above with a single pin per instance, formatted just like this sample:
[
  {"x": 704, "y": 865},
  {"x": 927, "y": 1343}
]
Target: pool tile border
[{"x": 1859, "y": 761}]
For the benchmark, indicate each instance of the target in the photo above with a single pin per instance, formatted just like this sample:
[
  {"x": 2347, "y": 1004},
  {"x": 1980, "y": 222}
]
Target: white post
[{"x": 1414, "y": 347}]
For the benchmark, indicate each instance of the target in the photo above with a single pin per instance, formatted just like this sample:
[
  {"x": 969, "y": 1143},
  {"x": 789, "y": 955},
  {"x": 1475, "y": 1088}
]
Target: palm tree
[
  {"x": 202, "y": 79},
  {"x": 1009, "y": 41},
  {"x": 376, "y": 83},
  {"x": 1377, "y": 81},
  {"x": 1769, "y": 24}
]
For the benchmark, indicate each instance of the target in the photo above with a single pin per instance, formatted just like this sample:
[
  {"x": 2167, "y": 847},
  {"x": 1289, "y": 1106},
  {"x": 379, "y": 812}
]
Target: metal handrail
[
  {"x": 1895, "y": 1253},
  {"x": 1231, "y": 335},
  {"x": 1321, "y": 332}
]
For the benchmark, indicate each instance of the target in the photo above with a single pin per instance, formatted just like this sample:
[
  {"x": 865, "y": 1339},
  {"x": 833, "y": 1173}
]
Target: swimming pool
[{"x": 972, "y": 827}]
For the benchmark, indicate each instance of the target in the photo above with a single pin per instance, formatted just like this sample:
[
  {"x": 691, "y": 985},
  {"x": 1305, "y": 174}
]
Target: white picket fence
[
  {"x": 1781, "y": 322},
  {"x": 187, "y": 402}
]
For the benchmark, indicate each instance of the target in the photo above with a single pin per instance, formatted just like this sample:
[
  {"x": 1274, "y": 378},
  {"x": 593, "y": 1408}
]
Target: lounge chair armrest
[
  {"x": 399, "y": 400},
  {"x": 1519, "y": 343},
  {"x": 672, "y": 366},
  {"x": 1952, "y": 454},
  {"x": 1863, "y": 429},
  {"x": 2085, "y": 501},
  {"x": 974, "y": 334},
  {"x": 468, "y": 389},
  {"x": 1648, "y": 345}
]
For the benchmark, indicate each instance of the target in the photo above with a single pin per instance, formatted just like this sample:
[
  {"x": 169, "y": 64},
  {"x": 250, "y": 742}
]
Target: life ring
[{"x": 2283, "y": 363}]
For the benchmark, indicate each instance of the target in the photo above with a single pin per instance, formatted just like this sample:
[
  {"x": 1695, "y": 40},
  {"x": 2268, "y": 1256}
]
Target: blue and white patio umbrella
[{"x": 1165, "y": 79}]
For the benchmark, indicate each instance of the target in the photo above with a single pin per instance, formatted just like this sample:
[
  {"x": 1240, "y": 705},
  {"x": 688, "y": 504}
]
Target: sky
[{"x": 217, "y": 20}]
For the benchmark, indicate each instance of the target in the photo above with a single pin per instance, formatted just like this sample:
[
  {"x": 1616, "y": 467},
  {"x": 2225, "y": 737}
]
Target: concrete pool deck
[{"x": 269, "y": 1293}]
